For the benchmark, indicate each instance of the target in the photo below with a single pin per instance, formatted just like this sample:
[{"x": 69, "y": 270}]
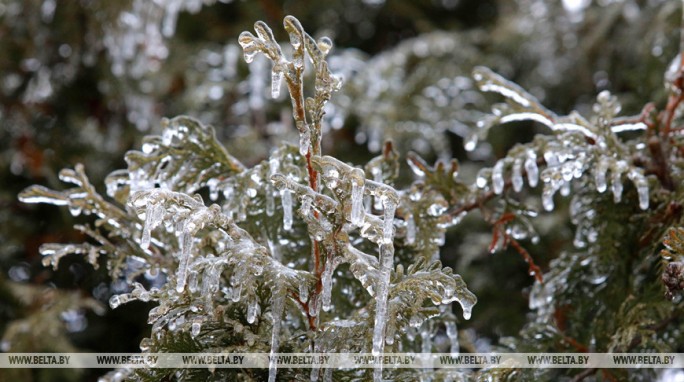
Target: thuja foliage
[{"x": 305, "y": 253}]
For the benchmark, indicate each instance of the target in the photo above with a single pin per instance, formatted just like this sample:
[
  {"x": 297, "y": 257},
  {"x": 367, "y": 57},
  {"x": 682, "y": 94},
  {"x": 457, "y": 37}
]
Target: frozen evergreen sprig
[
  {"x": 580, "y": 146},
  {"x": 300, "y": 245}
]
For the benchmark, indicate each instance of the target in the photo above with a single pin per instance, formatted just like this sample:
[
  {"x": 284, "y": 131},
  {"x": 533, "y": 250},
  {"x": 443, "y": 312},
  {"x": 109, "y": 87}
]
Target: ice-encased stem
[
  {"x": 357, "y": 210},
  {"x": 286, "y": 199},
  {"x": 276, "y": 79},
  {"x": 277, "y": 307}
]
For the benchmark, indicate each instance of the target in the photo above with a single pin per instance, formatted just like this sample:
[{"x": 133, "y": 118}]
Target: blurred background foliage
[{"x": 83, "y": 81}]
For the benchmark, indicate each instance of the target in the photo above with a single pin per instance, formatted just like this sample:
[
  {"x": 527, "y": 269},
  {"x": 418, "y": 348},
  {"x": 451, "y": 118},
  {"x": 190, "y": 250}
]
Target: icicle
[
  {"x": 388, "y": 223},
  {"x": 386, "y": 265},
  {"x": 565, "y": 189},
  {"x": 153, "y": 217},
  {"x": 452, "y": 333},
  {"x": 471, "y": 142},
  {"x": 273, "y": 167},
  {"x": 328, "y": 375},
  {"x": 235, "y": 293},
  {"x": 642, "y": 191},
  {"x": 410, "y": 230},
  {"x": 276, "y": 79},
  {"x": 616, "y": 184},
  {"x": 547, "y": 198},
  {"x": 600, "y": 175},
  {"x": 357, "y": 212},
  {"x": 270, "y": 202},
  {"x": 382, "y": 287},
  {"x": 516, "y": 177},
  {"x": 286, "y": 198},
  {"x": 497, "y": 177},
  {"x": 196, "y": 327},
  {"x": 303, "y": 291},
  {"x": 326, "y": 280},
  {"x": 389, "y": 337},
  {"x": 186, "y": 246},
  {"x": 304, "y": 138},
  {"x": 252, "y": 310},
  {"x": 193, "y": 281},
  {"x": 532, "y": 169},
  {"x": 277, "y": 307},
  {"x": 313, "y": 306}
]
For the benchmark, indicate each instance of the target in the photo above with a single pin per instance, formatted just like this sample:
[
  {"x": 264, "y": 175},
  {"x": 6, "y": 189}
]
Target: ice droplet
[
  {"x": 470, "y": 142},
  {"x": 74, "y": 210},
  {"x": 286, "y": 199},
  {"x": 481, "y": 181},
  {"x": 114, "y": 301},
  {"x": 357, "y": 212},
  {"x": 497, "y": 177},
  {"x": 325, "y": 44},
  {"x": 532, "y": 169},
  {"x": 276, "y": 79},
  {"x": 516, "y": 177},
  {"x": 332, "y": 177},
  {"x": 212, "y": 184}
]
